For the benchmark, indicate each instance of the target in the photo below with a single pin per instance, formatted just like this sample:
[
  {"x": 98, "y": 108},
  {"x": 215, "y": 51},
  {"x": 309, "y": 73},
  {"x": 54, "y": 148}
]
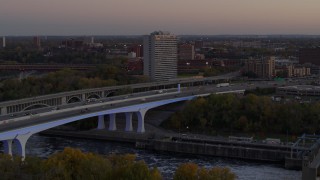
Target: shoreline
[{"x": 166, "y": 144}]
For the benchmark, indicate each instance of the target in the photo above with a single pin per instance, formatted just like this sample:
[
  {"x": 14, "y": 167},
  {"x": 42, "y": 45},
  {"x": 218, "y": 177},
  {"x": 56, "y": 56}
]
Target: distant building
[
  {"x": 3, "y": 41},
  {"x": 135, "y": 66},
  {"x": 299, "y": 90},
  {"x": 199, "y": 57},
  {"x": 309, "y": 55},
  {"x": 198, "y": 45},
  {"x": 263, "y": 67},
  {"x": 292, "y": 71},
  {"x": 132, "y": 55},
  {"x": 160, "y": 56},
  {"x": 186, "y": 52},
  {"x": 138, "y": 49},
  {"x": 72, "y": 43},
  {"x": 195, "y": 66},
  {"x": 37, "y": 42}
]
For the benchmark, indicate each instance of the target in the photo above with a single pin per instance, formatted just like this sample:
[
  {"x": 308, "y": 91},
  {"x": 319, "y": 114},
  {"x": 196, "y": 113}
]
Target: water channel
[{"x": 43, "y": 146}]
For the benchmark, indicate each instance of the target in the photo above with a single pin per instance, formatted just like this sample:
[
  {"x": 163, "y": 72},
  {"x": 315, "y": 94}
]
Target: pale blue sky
[{"x": 137, "y": 17}]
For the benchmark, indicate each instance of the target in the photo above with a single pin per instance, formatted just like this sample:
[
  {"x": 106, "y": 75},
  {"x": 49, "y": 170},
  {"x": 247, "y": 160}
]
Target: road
[{"x": 38, "y": 116}]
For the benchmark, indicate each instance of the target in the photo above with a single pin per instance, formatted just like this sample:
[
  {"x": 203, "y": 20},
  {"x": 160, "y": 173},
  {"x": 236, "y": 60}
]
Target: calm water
[{"x": 167, "y": 163}]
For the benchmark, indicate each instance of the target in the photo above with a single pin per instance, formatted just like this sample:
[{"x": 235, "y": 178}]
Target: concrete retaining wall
[{"x": 221, "y": 150}]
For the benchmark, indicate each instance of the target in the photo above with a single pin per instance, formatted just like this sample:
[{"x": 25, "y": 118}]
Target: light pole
[
  {"x": 179, "y": 130},
  {"x": 187, "y": 129}
]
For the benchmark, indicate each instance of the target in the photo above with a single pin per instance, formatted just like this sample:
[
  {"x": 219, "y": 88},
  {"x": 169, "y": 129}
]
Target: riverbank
[
  {"x": 191, "y": 144},
  {"x": 161, "y": 140}
]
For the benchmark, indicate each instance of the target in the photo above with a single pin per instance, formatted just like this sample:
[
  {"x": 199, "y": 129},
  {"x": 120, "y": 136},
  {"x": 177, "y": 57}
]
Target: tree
[
  {"x": 186, "y": 171},
  {"x": 191, "y": 171},
  {"x": 73, "y": 164}
]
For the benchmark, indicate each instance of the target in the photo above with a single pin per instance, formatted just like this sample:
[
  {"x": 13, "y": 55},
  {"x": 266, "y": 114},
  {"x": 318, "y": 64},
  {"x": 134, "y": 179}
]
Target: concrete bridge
[
  {"x": 58, "y": 99},
  {"x": 19, "y": 129}
]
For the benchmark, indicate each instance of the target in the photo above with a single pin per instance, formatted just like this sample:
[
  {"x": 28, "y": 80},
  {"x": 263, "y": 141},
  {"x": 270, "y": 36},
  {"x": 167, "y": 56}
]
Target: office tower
[
  {"x": 160, "y": 56},
  {"x": 3, "y": 41}
]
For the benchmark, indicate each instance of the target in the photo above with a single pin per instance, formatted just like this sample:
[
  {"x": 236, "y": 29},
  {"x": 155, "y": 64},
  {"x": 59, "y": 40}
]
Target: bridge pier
[
  {"x": 7, "y": 146},
  {"x": 63, "y": 100},
  {"x": 101, "y": 124},
  {"x": 112, "y": 122},
  {"x": 128, "y": 121},
  {"x": 141, "y": 113},
  {"x": 21, "y": 142},
  {"x": 3, "y": 110}
]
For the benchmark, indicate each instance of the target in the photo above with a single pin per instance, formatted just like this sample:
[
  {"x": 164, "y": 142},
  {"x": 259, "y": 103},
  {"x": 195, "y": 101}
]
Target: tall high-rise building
[
  {"x": 160, "y": 56},
  {"x": 3, "y": 41}
]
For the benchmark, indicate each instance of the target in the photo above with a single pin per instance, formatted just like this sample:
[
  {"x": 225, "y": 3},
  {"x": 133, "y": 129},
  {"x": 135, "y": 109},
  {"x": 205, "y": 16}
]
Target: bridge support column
[
  {"x": 3, "y": 110},
  {"x": 7, "y": 146},
  {"x": 128, "y": 121},
  {"x": 63, "y": 100},
  {"x": 101, "y": 124},
  {"x": 21, "y": 143},
  {"x": 141, "y": 113},
  {"x": 112, "y": 123}
]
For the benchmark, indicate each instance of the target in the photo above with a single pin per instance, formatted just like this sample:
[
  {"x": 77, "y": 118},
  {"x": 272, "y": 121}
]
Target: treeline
[
  {"x": 214, "y": 71},
  {"x": 250, "y": 114},
  {"x": 65, "y": 80},
  {"x": 74, "y": 164},
  {"x": 261, "y": 91}
]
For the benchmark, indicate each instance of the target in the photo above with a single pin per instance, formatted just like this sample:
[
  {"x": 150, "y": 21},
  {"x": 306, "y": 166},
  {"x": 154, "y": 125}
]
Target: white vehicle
[
  {"x": 272, "y": 141},
  {"x": 223, "y": 85},
  {"x": 91, "y": 100}
]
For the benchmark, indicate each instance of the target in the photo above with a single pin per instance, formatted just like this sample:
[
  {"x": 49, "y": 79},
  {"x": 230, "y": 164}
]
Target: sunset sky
[{"x": 137, "y": 17}]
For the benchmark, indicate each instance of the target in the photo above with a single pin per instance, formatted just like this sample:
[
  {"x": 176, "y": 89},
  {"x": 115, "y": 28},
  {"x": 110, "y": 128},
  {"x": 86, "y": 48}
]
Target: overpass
[
  {"x": 19, "y": 129},
  {"x": 63, "y": 98}
]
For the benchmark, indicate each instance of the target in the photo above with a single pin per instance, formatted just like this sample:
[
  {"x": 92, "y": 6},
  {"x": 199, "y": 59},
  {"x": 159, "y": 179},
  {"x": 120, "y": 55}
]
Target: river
[{"x": 43, "y": 146}]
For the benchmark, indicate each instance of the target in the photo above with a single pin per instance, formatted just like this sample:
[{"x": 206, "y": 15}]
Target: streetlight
[{"x": 187, "y": 129}]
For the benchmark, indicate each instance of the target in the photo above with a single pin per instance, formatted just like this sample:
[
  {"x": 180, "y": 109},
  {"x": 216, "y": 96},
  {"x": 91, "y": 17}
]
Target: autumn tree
[{"x": 191, "y": 171}]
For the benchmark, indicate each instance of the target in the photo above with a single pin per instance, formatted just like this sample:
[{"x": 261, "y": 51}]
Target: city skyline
[{"x": 139, "y": 17}]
